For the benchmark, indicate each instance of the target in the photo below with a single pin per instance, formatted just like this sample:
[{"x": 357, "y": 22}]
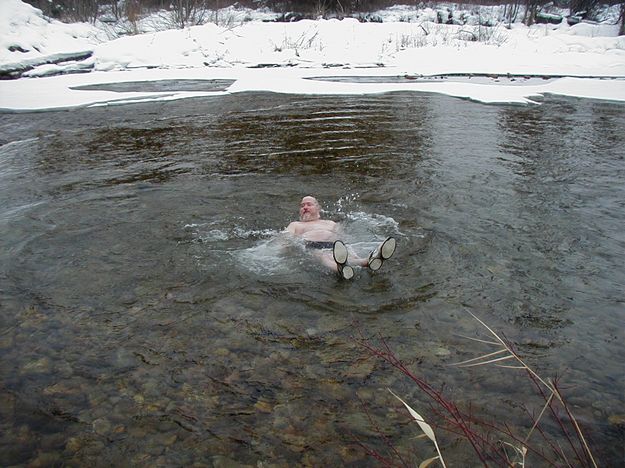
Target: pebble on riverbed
[
  {"x": 37, "y": 366},
  {"x": 45, "y": 459},
  {"x": 73, "y": 444},
  {"x": 617, "y": 420},
  {"x": 101, "y": 426},
  {"x": 441, "y": 352}
]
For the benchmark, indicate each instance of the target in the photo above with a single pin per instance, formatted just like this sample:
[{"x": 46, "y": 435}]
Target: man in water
[{"x": 322, "y": 236}]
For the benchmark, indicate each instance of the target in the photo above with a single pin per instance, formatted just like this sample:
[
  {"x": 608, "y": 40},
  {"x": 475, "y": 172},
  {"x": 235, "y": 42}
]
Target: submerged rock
[
  {"x": 37, "y": 366},
  {"x": 101, "y": 426},
  {"x": 617, "y": 420},
  {"x": 263, "y": 406},
  {"x": 220, "y": 461},
  {"x": 46, "y": 459},
  {"x": 73, "y": 444}
]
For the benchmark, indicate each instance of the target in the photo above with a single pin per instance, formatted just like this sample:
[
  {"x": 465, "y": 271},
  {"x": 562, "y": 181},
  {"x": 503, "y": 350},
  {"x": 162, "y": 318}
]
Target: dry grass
[{"x": 496, "y": 442}]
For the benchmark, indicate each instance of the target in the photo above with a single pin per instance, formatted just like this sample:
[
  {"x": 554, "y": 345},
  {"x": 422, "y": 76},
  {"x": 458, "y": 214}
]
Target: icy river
[{"x": 151, "y": 315}]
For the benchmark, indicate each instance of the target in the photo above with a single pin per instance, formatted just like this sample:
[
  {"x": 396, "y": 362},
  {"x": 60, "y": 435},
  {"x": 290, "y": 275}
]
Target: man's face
[{"x": 309, "y": 209}]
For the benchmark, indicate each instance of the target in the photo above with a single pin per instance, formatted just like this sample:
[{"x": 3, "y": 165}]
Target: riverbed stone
[
  {"x": 153, "y": 447},
  {"x": 114, "y": 399},
  {"x": 73, "y": 444},
  {"x": 137, "y": 432},
  {"x": 45, "y": 459},
  {"x": 263, "y": 406},
  {"x": 124, "y": 406},
  {"x": 221, "y": 461},
  {"x": 101, "y": 426},
  {"x": 334, "y": 389},
  {"x": 62, "y": 387},
  {"x": 6, "y": 341},
  {"x": 31, "y": 316},
  {"x": 85, "y": 416},
  {"x": 125, "y": 358},
  {"x": 351, "y": 455},
  {"x": 295, "y": 442},
  {"x": 311, "y": 332},
  {"x": 359, "y": 423},
  {"x": 166, "y": 439},
  {"x": 366, "y": 393},
  {"x": 361, "y": 369},
  {"x": 51, "y": 442},
  {"x": 128, "y": 298},
  {"x": 93, "y": 448},
  {"x": 617, "y": 420},
  {"x": 64, "y": 369},
  {"x": 221, "y": 352},
  {"x": 24, "y": 434},
  {"x": 37, "y": 366}
]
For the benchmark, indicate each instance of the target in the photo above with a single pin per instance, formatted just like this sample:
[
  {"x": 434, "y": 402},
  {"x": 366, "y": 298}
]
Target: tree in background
[
  {"x": 582, "y": 7},
  {"x": 510, "y": 12},
  {"x": 73, "y": 10},
  {"x": 188, "y": 12}
]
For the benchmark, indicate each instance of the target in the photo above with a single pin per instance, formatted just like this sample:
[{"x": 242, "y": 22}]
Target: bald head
[{"x": 309, "y": 209}]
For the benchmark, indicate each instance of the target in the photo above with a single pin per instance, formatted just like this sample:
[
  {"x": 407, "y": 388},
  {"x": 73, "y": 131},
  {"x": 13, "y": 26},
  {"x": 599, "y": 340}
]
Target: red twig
[
  {"x": 455, "y": 417},
  {"x": 385, "y": 438},
  {"x": 471, "y": 428}
]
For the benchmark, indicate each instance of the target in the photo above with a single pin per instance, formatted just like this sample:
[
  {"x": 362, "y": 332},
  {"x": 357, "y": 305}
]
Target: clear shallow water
[{"x": 150, "y": 315}]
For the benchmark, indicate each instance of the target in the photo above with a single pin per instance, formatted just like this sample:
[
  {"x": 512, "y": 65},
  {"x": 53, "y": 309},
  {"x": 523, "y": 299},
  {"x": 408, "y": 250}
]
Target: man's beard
[{"x": 307, "y": 217}]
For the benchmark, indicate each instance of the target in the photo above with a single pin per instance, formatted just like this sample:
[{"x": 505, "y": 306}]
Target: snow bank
[
  {"x": 351, "y": 43},
  {"x": 408, "y": 42},
  {"x": 26, "y": 35}
]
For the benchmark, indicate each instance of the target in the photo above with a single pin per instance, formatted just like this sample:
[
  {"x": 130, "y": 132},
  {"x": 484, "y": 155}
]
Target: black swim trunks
[{"x": 318, "y": 245}]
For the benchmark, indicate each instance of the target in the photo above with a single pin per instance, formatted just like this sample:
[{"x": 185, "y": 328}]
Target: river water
[{"x": 153, "y": 315}]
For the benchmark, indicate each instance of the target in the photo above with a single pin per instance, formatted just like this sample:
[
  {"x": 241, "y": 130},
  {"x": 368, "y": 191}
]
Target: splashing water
[
  {"x": 275, "y": 253},
  {"x": 344, "y": 204},
  {"x": 266, "y": 257}
]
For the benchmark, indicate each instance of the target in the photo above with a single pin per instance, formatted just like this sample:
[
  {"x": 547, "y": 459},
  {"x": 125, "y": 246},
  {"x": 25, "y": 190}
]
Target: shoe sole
[
  {"x": 388, "y": 248},
  {"x": 347, "y": 272},
  {"x": 339, "y": 252},
  {"x": 382, "y": 253},
  {"x": 375, "y": 264}
]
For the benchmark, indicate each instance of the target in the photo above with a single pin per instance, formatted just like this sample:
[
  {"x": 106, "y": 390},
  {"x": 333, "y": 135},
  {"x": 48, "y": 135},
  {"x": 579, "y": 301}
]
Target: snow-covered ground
[{"x": 585, "y": 60}]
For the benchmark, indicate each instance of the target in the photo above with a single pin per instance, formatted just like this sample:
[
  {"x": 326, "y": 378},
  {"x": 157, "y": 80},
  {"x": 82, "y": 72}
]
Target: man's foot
[
  {"x": 346, "y": 272},
  {"x": 339, "y": 252},
  {"x": 384, "y": 251}
]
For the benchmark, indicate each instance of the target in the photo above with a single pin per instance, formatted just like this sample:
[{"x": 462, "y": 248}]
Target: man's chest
[{"x": 321, "y": 225}]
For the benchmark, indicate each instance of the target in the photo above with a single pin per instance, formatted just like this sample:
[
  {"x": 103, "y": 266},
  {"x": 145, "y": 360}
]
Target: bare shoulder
[
  {"x": 296, "y": 227},
  {"x": 329, "y": 224},
  {"x": 301, "y": 227}
]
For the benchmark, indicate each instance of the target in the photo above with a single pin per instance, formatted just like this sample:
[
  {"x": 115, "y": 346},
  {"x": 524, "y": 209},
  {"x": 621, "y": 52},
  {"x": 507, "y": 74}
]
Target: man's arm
[
  {"x": 287, "y": 236},
  {"x": 338, "y": 229},
  {"x": 291, "y": 228}
]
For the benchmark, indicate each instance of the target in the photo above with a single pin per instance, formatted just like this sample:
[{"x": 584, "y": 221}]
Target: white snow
[
  {"x": 25, "y": 27},
  {"x": 407, "y": 43}
]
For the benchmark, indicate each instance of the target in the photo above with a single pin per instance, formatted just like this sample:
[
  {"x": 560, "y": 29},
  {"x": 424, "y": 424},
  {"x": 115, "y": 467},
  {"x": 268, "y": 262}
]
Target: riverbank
[{"x": 284, "y": 57}]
